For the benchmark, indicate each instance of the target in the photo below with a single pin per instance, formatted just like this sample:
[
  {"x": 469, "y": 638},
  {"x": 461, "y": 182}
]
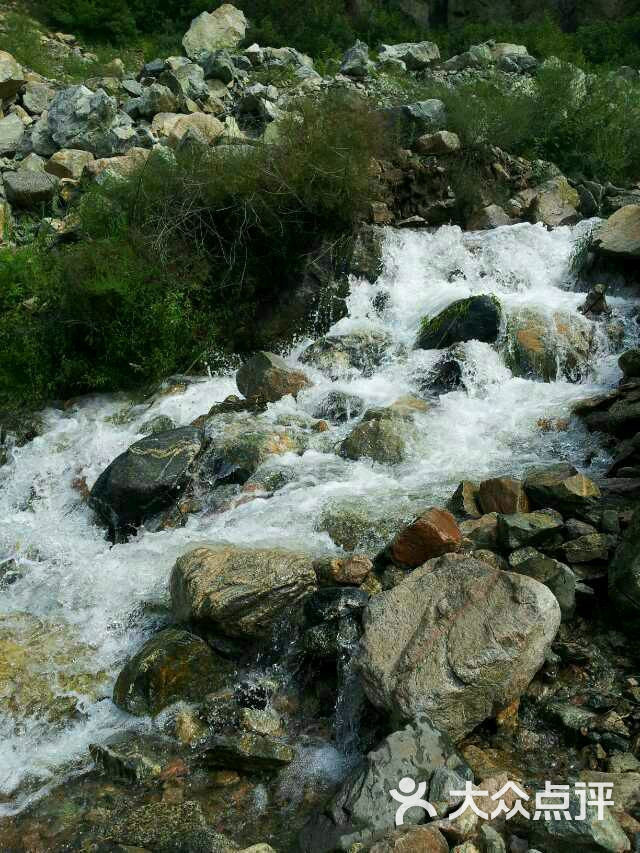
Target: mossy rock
[{"x": 475, "y": 318}]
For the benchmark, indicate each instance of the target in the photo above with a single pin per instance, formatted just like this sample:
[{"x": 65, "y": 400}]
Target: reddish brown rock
[
  {"x": 432, "y": 534},
  {"x": 351, "y": 571},
  {"x": 503, "y": 494}
]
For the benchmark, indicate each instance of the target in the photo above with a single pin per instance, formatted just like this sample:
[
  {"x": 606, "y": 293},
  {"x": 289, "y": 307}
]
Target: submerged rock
[
  {"x": 146, "y": 478},
  {"x": 358, "y": 524},
  {"x": 339, "y": 406},
  {"x": 475, "y": 318},
  {"x": 174, "y": 665},
  {"x": 269, "y": 377},
  {"x": 456, "y": 640},
  {"x": 239, "y": 591},
  {"x": 339, "y": 354}
]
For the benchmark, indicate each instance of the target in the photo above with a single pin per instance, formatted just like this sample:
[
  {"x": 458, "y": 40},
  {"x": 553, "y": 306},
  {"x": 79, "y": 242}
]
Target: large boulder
[
  {"x": 11, "y": 133},
  {"x": 432, "y": 534},
  {"x": 146, "y": 478},
  {"x": 355, "y": 61},
  {"x": 11, "y": 76},
  {"x": 174, "y": 665},
  {"x": 619, "y": 236},
  {"x": 624, "y": 570},
  {"x": 520, "y": 529},
  {"x": 36, "y": 97},
  {"x": 415, "y": 55},
  {"x": 224, "y": 27},
  {"x": 337, "y": 355},
  {"x": 475, "y": 318},
  {"x": 549, "y": 346},
  {"x": 269, "y": 376},
  {"x": 417, "y": 751},
  {"x": 561, "y": 486},
  {"x": 29, "y": 189},
  {"x": 68, "y": 163},
  {"x": 457, "y": 640},
  {"x": 239, "y": 591},
  {"x": 553, "y": 203},
  {"x": 552, "y": 573},
  {"x": 502, "y": 494},
  {"x": 91, "y": 121}
]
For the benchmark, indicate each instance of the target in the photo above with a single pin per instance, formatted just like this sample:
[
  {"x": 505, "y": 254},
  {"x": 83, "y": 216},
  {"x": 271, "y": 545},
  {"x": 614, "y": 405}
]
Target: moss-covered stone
[{"x": 474, "y": 318}]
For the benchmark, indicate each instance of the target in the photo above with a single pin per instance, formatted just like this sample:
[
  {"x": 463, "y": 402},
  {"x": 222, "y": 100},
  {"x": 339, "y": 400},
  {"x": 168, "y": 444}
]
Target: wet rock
[
  {"x": 532, "y": 528},
  {"x": 130, "y": 757},
  {"x": 167, "y": 828},
  {"x": 481, "y": 532},
  {"x": 339, "y": 406},
  {"x": 45, "y": 670},
  {"x": 552, "y": 573},
  {"x": 464, "y": 501},
  {"x": 146, "y": 478},
  {"x": 29, "y": 189},
  {"x": 586, "y": 549},
  {"x": 561, "y": 487},
  {"x": 624, "y": 570},
  {"x": 173, "y": 665},
  {"x": 223, "y": 28},
  {"x": 502, "y": 494},
  {"x": 558, "y": 834},
  {"x": 629, "y": 363},
  {"x": 236, "y": 454},
  {"x": 416, "y": 751},
  {"x": 548, "y": 346},
  {"x": 595, "y": 303},
  {"x": 269, "y": 377},
  {"x": 432, "y": 534},
  {"x": 355, "y": 524},
  {"x": 382, "y": 439},
  {"x": 351, "y": 571},
  {"x": 248, "y": 751},
  {"x": 619, "y": 236},
  {"x": 456, "y": 640},
  {"x": 491, "y": 216},
  {"x": 160, "y": 423},
  {"x": 333, "y": 603},
  {"x": 239, "y": 591},
  {"x": 338, "y": 354},
  {"x": 11, "y": 76},
  {"x": 415, "y": 55},
  {"x": 474, "y": 318},
  {"x": 444, "y": 376}
]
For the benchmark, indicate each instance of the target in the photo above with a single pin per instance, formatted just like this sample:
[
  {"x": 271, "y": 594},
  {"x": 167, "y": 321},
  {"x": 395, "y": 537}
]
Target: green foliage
[
  {"x": 109, "y": 19},
  {"x": 181, "y": 257}
]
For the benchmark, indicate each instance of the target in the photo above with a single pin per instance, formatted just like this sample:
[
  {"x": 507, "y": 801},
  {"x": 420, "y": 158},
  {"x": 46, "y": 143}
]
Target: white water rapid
[{"x": 111, "y": 596}]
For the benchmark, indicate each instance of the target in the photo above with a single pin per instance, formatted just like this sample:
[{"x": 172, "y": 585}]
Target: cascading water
[{"x": 107, "y": 600}]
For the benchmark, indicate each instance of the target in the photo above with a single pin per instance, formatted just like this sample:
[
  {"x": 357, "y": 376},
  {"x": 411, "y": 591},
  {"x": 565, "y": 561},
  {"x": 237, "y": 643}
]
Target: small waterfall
[{"x": 109, "y": 599}]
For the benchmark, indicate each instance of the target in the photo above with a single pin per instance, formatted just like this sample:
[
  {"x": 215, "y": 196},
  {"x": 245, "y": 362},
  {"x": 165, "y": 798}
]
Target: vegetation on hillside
[{"x": 177, "y": 260}]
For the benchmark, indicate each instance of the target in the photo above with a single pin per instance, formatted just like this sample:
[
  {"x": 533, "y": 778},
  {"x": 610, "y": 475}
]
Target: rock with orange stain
[{"x": 433, "y": 533}]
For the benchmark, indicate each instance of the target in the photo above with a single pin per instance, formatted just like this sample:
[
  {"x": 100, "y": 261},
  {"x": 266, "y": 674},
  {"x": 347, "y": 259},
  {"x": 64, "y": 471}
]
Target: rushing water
[{"x": 111, "y": 595}]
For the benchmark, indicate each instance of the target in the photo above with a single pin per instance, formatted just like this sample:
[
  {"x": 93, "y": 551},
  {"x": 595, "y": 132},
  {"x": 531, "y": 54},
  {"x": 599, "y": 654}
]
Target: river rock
[
  {"x": 559, "y": 833},
  {"x": 45, "y": 669},
  {"x": 130, "y": 757},
  {"x": 146, "y": 478},
  {"x": 239, "y": 591},
  {"x": 354, "y": 523},
  {"x": 481, "y": 532},
  {"x": 416, "y": 839},
  {"x": 339, "y": 406},
  {"x": 585, "y": 549},
  {"x": 552, "y": 573},
  {"x": 474, "y": 318},
  {"x": 269, "y": 377},
  {"x": 237, "y": 452},
  {"x": 456, "y": 640},
  {"x": 553, "y": 203},
  {"x": 338, "y": 354},
  {"x": 416, "y": 751},
  {"x": 629, "y": 363},
  {"x": 68, "y": 163},
  {"x": 11, "y": 76},
  {"x": 561, "y": 486},
  {"x": 351, "y": 571},
  {"x": 382, "y": 439},
  {"x": 29, "y": 189},
  {"x": 464, "y": 501},
  {"x": 619, "y": 236},
  {"x": 415, "y": 55},
  {"x": 432, "y": 534},
  {"x": 11, "y": 133},
  {"x": 502, "y": 494},
  {"x": 624, "y": 570},
  {"x": 548, "y": 346},
  {"x": 210, "y": 31},
  {"x": 528, "y": 528},
  {"x": 91, "y": 121},
  {"x": 172, "y": 666},
  {"x": 248, "y": 752}
]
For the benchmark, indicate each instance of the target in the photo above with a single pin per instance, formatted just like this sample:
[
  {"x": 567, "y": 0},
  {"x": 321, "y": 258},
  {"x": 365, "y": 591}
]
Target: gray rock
[
  {"x": 39, "y": 139},
  {"x": 561, "y": 486},
  {"x": 520, "y": 529},
  {"x": 161, "y": 423},
  {"x": 339, "y": 406},
  {"x": 146, "y": 478},
  {"x": 552, "y": 573},
  {"x": 172, "y": 666},
  {"x": 426, "y": 116},
  {"x": 130, "y": 757},
  {"x": 619, "y": 236},
  {"x": 154, "y": 99},
  {"x": 558, "y": 834},
  {"x": 416, "y": 751},
  {"x": 37, "y": 97},
  {"x": 355, "y": 62},
  {"x": 91, "y": 121},
  {"x": 29, "y": 189},
  {"x": 224, "y": 27},
  {"x": 11, "y": 133},
  {"x": 456, "y": 640},
  {"x": 187, "y": 81},
  {"x": 11, "y": 75},
  {"x": 383, "y": 439},
  {"x": 239, "y": 591},
  {"x": 415, "y": 55},
  {"x": 219, "y": 65},
  {"x": 337, "y": 355}
]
